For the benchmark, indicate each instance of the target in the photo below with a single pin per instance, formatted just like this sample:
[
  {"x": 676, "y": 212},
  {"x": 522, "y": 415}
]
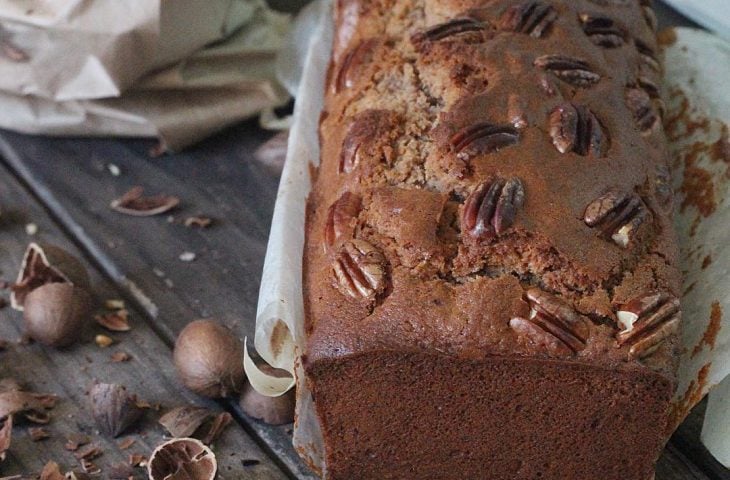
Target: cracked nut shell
[
  {"x": 43, "y": 264},
  {"x": 55, "y": 314},
  {"x": 209, "y": 359},
  {"x": 182, "y": 459}
]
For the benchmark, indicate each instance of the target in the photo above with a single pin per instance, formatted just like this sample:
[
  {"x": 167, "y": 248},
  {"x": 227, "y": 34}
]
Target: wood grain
[
  {"x": 219, "y": 178},
  {"x": 70, "y": 372}
]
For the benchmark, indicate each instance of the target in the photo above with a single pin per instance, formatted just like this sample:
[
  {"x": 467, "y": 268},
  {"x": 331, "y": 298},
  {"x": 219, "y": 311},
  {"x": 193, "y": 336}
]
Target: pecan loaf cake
[{"x": 491, "y": 281}]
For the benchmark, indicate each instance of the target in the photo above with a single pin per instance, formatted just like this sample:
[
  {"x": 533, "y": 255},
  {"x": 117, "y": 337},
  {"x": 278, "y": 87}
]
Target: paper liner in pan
[{"x": 698, "y": 111}]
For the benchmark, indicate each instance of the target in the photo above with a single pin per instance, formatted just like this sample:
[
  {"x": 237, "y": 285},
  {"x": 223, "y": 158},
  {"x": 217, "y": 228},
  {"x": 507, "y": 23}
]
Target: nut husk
[
  {"x": 136, "y": 204},
  {"x": 184, "y": 421},
  {"x": 113, "y": 408},
  {"x": 55, "y": 313},
  {"x": 43, "y": 264},
  {"x": 192, "y": 421},
  {"x": 209, "y": 359},
  {"x": 6, "y": 431},
  {"x": 15, "y": 401},
  {"x": 182, "y": 459},
  {"x": 272, "y": 410}
]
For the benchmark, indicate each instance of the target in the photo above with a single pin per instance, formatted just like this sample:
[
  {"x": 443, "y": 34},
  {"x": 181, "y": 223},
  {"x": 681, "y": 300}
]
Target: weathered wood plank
[
  {"x": 141, "y": 255},
  {"x": 687, "y": 439},
  {"x": 218, "y": 178},
  {"x": 70, "y": 372}
]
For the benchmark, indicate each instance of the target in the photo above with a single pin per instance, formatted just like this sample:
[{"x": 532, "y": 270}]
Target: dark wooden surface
[
  {"x": 70, "y": 372},
  {"x": 65, "y": 186}
]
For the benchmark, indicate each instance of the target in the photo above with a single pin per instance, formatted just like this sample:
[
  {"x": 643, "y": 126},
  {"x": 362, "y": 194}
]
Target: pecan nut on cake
[{"x": 491, "y": 282}]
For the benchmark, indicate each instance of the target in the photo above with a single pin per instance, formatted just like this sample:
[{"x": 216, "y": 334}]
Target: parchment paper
[
  {"x": 174, "y": 69},
  {"x": 280, "y": 315},
  {"x": 698, "y": 115},
  {"x": 697, "y": 64}
]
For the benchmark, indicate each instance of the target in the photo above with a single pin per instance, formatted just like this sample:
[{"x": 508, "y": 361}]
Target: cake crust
[{"x": 494, "y": 189}]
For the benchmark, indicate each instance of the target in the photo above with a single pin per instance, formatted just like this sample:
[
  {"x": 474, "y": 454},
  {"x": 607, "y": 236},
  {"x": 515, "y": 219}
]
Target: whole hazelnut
[
  {"x": 209, "y": 359},
  {"x": 54, "y": 314},
  {"x": 272, "y": 410}
]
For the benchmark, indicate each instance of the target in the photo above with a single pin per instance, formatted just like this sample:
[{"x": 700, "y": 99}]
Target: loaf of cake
[{"x": 490, "y": 271}]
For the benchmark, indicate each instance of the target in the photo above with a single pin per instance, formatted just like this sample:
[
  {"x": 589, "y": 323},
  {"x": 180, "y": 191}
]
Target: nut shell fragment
[
  {"x": 113, "y": 408},
  {"x": 136, "y": 204},
  {"x": 184, "y": 421},
  {"x": 6, "y": 432},
  {"x": 117, "y": 321},
  {"x": 182, "y": 459},
  {"x": 43, "y": 264}
]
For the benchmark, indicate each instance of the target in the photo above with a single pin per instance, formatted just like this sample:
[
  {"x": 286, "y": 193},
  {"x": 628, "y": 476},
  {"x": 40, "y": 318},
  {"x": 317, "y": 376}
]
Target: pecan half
[
  {"x": 643, "y": 110},
  {"x": 341, "y": 218},
  {"x": 650, "y": 17},
  {"x": 352, "y": 64},
  {"x": 492, "y": 206},
  {"x": 482, "y": 138},
  {"x": 574, "y": 128},
  {"x": 617, "y": 215},
  {"x": 648, "y": 56},
  {"x": 369, "y": 134},
  {"x": 602, "y": 31},
  {"x": 571, "y": 70},
  {"x": 451, "y": 28},
  {"x": 647, "y": 321},
  {"x": 359, "y": 269},
  {"x": 533, "y": 18},
  {"x": 551, "y": 319},
  {"x": 648, "y": 85}
]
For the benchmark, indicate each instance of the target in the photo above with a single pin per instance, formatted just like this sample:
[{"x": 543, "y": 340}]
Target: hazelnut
[
  {"x": 272, "y": 410},
  {"x": 209, "y": 359},
  {"x": 43, "y": 264},
  {"x": 54, "y": 314}
]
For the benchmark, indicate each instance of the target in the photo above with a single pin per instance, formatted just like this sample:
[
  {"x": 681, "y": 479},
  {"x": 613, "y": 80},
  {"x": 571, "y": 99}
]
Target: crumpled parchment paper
[
  {"x": 698, "y": 112},
  {"x": 178, "y": 70}
]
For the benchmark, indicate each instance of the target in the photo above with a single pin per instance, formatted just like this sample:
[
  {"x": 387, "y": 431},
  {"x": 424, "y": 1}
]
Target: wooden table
[{"x": 64, "y": 186}]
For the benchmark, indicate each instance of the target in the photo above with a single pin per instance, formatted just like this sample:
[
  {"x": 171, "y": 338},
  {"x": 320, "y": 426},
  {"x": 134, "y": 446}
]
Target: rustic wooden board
[
  {"x": 687, "y": 439},
  {"x": 141, "y": 255},
  {"x": 70, "y": 372},
  {"x": 219, "y": 178}
]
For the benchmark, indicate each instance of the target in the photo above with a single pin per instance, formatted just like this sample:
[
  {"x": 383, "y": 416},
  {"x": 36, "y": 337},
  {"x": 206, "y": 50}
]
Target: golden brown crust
[
  {"x": 494, "y": 189},
  {"x": 492, "y": 143}
]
